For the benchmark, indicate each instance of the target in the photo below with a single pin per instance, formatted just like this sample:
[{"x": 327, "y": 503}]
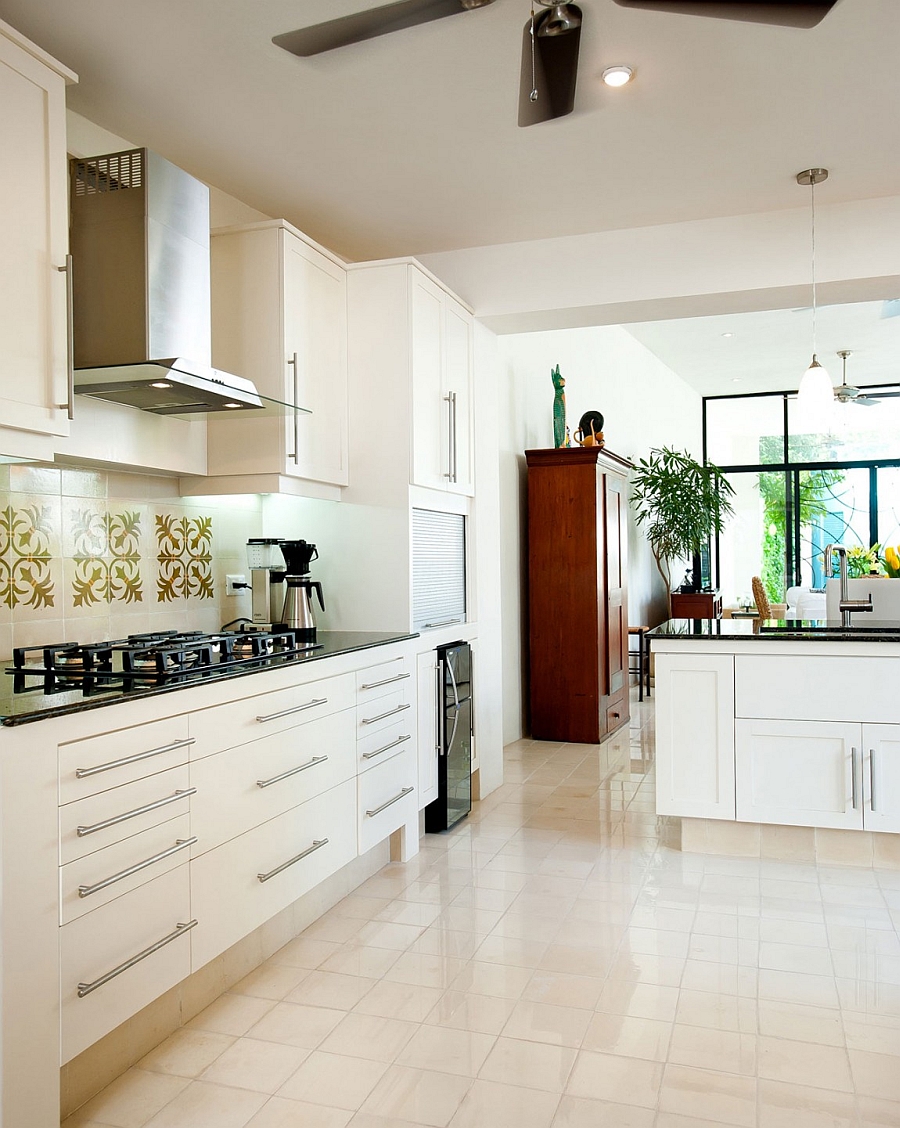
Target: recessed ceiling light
[
  {"x": 728, "y": 334},
  {"x": 617, "y": 76},
  {"x": 160, "y": 384},
  {"x": 735, "y": 379}
]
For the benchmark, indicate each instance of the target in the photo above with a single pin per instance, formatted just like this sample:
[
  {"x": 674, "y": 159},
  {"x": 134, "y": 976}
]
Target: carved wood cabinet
[{"x": 578, "y": 612}]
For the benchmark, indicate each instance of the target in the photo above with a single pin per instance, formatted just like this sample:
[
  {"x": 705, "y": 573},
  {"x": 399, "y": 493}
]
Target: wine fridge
[{"x": 454, "y": 706}]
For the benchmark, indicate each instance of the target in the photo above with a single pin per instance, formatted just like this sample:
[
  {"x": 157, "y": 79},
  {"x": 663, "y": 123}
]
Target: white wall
[{"x": 645, "y": 405}]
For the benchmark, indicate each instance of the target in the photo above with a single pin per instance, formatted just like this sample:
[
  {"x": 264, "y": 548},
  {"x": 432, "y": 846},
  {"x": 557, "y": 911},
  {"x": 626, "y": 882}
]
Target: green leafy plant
[
  {"x": 681, "y": 502},
  {"x": 861, "y": 562}
]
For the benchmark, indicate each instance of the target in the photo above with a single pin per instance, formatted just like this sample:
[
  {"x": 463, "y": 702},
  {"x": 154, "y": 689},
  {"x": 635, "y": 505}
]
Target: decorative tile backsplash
[
  {"x": 25, "y": 577},
  {"x": 184, "y": 557}
]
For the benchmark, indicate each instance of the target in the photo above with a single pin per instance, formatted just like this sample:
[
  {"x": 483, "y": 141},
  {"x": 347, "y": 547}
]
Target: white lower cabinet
[
  {"x": 387, "y": 799},
  {"x": 120, "y": 957},
  {"x": 695, "y": 735},
  {"x": 241, "y": 884},
  {"x": 818, "y": 773},
  {"x": 429, "y": 737}
]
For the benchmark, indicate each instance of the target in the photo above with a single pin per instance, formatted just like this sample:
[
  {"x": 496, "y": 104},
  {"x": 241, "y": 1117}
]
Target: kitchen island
[{"x": 779, "y": 724}]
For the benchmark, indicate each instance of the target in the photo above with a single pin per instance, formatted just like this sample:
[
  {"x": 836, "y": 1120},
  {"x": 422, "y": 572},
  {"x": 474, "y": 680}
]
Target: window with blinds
[{"x": 439, "y": 568}]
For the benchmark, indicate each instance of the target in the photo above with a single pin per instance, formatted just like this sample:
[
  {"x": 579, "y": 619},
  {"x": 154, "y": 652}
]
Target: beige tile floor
[{"x": 556, "y": 963}]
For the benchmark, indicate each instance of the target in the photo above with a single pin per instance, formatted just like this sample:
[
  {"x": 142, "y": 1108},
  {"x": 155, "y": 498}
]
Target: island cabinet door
[
  {"x": 881, "y": 776},
  {"x": 802, "y": 773},
  {"x": 695, "y": 735}
]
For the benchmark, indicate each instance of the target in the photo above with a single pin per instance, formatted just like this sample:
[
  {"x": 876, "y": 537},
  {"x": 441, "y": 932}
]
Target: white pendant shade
[{"x": 815, "y": 398}]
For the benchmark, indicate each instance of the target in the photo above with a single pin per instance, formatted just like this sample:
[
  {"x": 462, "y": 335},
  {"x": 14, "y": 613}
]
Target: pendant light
[{"x": 815, "y": 396}]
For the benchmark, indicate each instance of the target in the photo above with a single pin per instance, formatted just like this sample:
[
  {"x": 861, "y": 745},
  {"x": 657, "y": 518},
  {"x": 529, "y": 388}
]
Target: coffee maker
[
  {"x": 266, "y": 562},
  {"x": 297, "y": 614}
]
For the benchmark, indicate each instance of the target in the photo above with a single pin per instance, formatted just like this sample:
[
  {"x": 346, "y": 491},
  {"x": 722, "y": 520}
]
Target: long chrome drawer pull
[
  {"x": 292, "y": 771},
  {"x": 317, "y": 845},
  {"x": 296, "y": 709},
  {"x": 180, "y": 844},
  {"x": 81, "y": 831},
  {"x": 442, "y": 623},
  {"x": 180, "y": 929},
  {"x": 384, "y": 806},
  {"x": 378, "y": 751},
  {"x": 854, "y": 784},
  {"x": 387, "y": 681},
  {"x": 81, "y": 773},
  {"x": 381, "y": 716}
]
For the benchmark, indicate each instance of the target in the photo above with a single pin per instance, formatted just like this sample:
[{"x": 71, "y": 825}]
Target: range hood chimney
[{"x": 140, "y": 249}]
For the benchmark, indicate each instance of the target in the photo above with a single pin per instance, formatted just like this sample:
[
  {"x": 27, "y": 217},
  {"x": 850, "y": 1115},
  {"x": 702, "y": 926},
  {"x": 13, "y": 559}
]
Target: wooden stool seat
[{"x": 643, "y": 657}]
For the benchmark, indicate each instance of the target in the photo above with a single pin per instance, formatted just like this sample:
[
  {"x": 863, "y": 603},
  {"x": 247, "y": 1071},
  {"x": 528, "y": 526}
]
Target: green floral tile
[
  {"x": 106, "y": 557},
  {"x": 184, "y": 557},
  {"x": 26, "y": 537}
]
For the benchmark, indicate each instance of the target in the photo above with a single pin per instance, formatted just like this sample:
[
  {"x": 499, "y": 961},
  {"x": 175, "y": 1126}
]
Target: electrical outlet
[{"x": 236, "y": 585}]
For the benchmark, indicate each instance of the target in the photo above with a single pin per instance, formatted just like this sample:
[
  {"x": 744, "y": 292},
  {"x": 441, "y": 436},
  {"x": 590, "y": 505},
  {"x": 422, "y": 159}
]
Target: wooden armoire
[{"x": 578, "y": 612}]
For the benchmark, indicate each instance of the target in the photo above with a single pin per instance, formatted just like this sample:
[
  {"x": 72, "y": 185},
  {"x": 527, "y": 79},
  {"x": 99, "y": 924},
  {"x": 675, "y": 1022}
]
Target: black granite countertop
[
  {"x": 34, "y": 704},
  {"x": 786, "y": 630}
]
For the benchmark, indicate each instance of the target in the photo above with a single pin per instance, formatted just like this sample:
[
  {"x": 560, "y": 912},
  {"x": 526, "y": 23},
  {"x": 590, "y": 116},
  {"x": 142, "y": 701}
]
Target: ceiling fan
[
  {"x": 550, "y": 39},
  {"x": 846, "y": 393}
]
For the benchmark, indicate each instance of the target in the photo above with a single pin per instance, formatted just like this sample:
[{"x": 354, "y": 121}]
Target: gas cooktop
[{"x": 143, "y": 661}]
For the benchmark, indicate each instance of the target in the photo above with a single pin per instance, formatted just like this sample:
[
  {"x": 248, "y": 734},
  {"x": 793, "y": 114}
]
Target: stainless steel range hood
[{"x": 140, "y": 249}]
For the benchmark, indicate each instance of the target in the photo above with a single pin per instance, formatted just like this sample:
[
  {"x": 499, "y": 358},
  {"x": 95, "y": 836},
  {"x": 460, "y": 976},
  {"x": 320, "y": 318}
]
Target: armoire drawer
[
  {"x": 118, "y": 959},
  {"x": 242, "y": 883},
  {"x": 387, "y": 799},
  {"x": 239, "y": 722},
  {"x": 242, "y": 787},
  {"x": 109, "y": 874},
  {"x": 101, "y": 762},
  {"x": 98, "y": 821}
]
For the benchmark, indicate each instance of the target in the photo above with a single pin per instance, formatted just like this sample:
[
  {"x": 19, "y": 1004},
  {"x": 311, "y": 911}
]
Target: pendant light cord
[{"x": 812, "y": 188}]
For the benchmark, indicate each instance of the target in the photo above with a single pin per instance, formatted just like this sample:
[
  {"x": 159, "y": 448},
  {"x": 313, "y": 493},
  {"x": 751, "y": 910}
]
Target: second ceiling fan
[{"x": 551, "y": 36}]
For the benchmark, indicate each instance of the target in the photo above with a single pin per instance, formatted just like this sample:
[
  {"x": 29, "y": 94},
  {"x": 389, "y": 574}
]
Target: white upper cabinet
[
  {"x": 279, "y": 318},
  {"x": 34, "y": 387},
  {"x": 441, "y": 359}
]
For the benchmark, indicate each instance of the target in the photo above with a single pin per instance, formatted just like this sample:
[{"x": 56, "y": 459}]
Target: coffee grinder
[
  {"x": 297, "y": 614},
  {"x": 266, "y": 563}
]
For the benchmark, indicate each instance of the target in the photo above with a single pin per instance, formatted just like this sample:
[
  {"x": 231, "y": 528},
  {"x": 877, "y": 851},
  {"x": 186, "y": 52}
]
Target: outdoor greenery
[{"x": 681, "y": 502}]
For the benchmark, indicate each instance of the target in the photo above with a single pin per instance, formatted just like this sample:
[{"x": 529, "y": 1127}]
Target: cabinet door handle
[
  {"x": 385, "y": 748},
  {"x": 81, "y": 831},
  {"x": 872, "y": 780},
  {"x": 317, "y": 845},
  {"x": 384, "y": 806},
  {"x": 381, "y": 716},
  {"x": 854, "y": 783},
  {"x": 180, "y": 844},
  {"x": 386, "y": 681},
  {"x": 295, "y": 364},
  {"x": 292, "y": 771},
  {"x": 69, "y": 405},
  {"x": 450, "y": 399},
  {"x": 438, "y": 710},
  {"x": 296, "y": 709},
  {"x": 180, "y": 930},
  {"x": 82, "y": 773},
  {"x": 442, "y": 623}
]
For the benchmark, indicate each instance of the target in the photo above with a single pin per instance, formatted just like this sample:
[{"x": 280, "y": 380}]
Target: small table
[{"x": 696, "y": 605}]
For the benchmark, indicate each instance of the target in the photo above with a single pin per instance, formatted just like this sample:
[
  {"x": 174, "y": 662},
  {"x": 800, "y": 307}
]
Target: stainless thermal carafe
[{"x": 298, "y": 612}]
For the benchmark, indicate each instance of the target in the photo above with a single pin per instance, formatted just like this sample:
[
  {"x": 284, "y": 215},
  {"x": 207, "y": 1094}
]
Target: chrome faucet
[{"x": 847, "y": 605}]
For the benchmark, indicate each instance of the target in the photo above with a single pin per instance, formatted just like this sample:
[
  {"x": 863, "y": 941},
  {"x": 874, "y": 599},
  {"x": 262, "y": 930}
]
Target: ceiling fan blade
[
  {"x": 555, "y": 67},
  {"x": 786, "y": 13},
  {"x": 883, "y": 395},
  {"x": 358, "y": 26}
]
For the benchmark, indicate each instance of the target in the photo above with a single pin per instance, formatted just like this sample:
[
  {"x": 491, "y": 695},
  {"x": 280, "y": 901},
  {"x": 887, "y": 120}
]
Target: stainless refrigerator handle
[
  {"x": 453, "y": 679},
  {"x": 295, "y": 364},
  {"x": 438, "y": 710},
  {"x": 69, "y": 405}
]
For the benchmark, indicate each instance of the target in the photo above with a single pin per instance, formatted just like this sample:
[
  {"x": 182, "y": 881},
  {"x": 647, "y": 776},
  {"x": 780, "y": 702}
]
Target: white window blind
[{"x": 439, "y": 568}]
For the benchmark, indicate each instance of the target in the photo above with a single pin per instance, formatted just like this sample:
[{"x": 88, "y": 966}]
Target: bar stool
[{"x": 643, "y": 659}]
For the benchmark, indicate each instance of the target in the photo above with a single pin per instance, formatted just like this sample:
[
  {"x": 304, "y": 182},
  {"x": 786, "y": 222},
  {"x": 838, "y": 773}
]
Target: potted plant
[{"x": 682, "y": 503}]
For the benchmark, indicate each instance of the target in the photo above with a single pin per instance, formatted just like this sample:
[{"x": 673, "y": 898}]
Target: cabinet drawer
[
  {"x": 387, "y": 799},
  {"x": 383, "y": 712},
  {"x": 242, "y": 787},
  {"x": 241, "y": 884},
  {"x": 99, "y": 820},
  {"x": 385, "y": 743},
  {"x": 108, "y": 874},
  {"x": 227, "y": 726},
  {"x": 102, "y": 945},
  {"x": 816, "y": 687},
  {"x": 380, "y": 680},
  {"x": 102, "y": 762}
]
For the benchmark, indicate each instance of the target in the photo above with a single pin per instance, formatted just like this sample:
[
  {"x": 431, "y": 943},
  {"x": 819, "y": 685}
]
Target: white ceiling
[
  {"x": 409, "y": 144},
  {"x": 770, "y": 351}
]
